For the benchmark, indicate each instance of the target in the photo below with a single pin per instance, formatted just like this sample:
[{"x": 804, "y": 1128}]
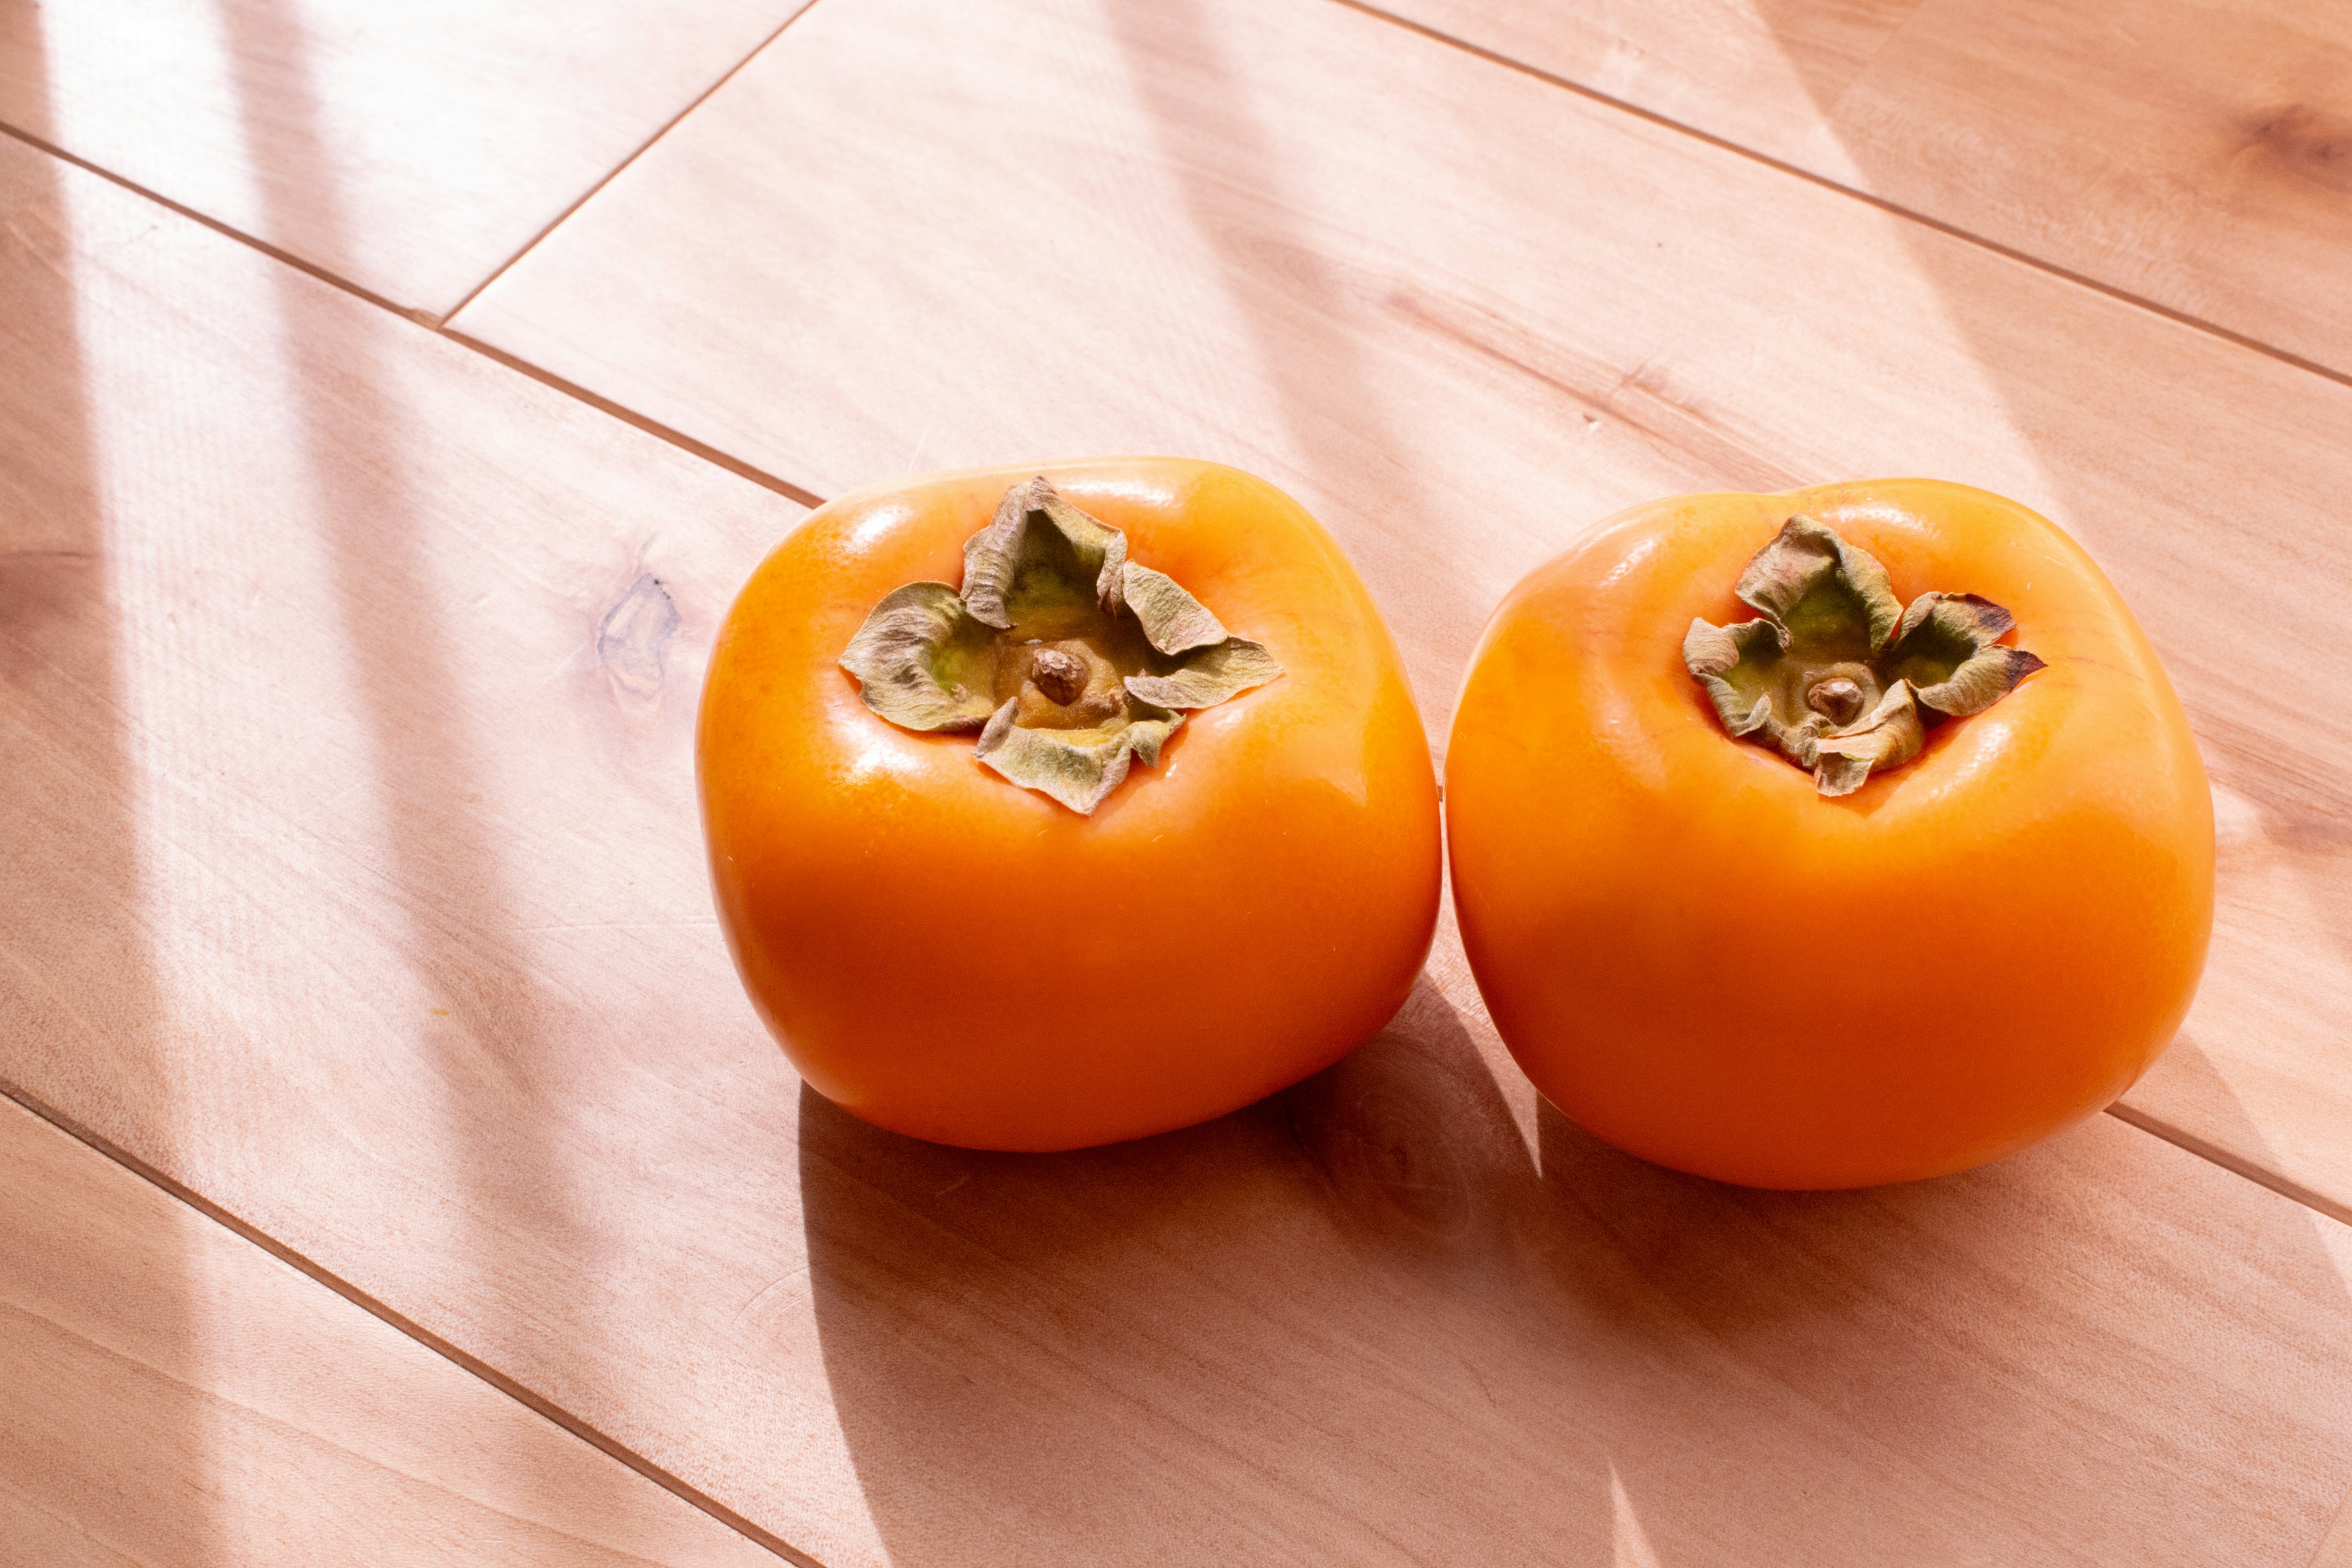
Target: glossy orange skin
[
  {"x": 1703, "y": 962},
  {"x": 949, "y": 955}
]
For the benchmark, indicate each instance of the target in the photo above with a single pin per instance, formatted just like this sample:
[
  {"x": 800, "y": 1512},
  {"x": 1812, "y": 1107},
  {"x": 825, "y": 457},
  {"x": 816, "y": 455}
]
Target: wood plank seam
[
  {"x": 614, "y": 171},
  {"x": 1444, "y": 39},
  {"x": 384, "y": 1317},
  {"x": 531, "y": 1400},
  {"x": 1893, "y": 209},
  {"x": 2283, "y": 1185},
  {"x": 432, "y": 323},
  {"x": 686, "y": 1490},
  {"x": 2280, "y": 1184},
  {"x": 308, "y": 268},
  {"x": 630, "y": 416},
  {"x": 847, "y": 1319},
  {"x": 100, "y": 1349},
  {"x": 1477, "y": 51}
]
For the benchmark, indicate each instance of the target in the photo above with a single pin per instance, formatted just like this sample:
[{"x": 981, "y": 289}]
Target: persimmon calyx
[
  {"x": 1836, "y": 673},
  {"x": 1073, "y": 661}
]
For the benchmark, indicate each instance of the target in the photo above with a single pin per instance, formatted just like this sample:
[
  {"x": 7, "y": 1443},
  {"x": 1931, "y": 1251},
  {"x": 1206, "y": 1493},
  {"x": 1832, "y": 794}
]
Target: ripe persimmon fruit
[
  {"x": 1018, "y": 846},
  {"x": 1821, "y": 839}
]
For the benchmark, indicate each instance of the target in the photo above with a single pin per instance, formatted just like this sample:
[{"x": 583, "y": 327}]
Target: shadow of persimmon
[{"x": 1358, "y": 1321}]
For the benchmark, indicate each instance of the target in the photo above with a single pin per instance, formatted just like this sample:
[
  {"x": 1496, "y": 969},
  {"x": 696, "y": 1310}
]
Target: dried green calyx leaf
[
  {"x": 924, "y": 660},
  {"x": 1947, "y": 650},
  {"x": 1209, "y": 675},
  {"x": 1071, "y": 661},
  {"x": 1040, "y": 555},
  {"x": 1836, "y": 675}
]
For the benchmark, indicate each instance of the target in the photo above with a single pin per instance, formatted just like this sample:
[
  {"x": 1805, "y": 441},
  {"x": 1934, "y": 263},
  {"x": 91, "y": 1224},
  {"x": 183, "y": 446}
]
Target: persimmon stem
[
  {"x": 1836, "y": 673},
  {"x": 1071, "y": 660},
  {"x": 1838, "y": 699},
  {"x": 1061, "y": 677}
]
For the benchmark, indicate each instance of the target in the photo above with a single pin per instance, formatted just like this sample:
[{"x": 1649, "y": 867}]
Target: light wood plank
[
  {"x": 177, "y": 1396},
  {"x": 1462, "y": 315},
  {"x": 358, "y": 887},
  {"x": 2336, "y": 1552},
  {"x": 2194, "y": 152},
  {"x": 410, "y": 149}
]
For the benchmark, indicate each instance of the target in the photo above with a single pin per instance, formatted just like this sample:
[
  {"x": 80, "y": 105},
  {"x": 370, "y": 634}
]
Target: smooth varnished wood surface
[
  {"x": 1462, "y": 338},
  {"x": 177, "y": 1397},
  {"x": 2196, "y": 153},
  {"x": 314, "y": 622},
  {"x": 352, "y": 881},
  {"x": 410, "y": 149},
  {"x": 359, "y": 892}
]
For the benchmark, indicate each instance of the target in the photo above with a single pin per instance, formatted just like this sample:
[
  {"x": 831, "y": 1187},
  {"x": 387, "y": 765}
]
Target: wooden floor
[{"x": 391, "y": 400}]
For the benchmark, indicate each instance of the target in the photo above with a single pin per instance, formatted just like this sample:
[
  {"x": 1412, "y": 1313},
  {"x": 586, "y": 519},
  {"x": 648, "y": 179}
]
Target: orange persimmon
[
  {"x": 1980, "y": 920},
  {"x": 1016, "y": 846}
]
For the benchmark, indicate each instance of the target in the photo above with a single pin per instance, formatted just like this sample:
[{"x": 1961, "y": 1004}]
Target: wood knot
[
  {"x": 2311, "y": 144},
  {"x": 1388, "y": 1157},
  {"x": 634, "y": 636}
]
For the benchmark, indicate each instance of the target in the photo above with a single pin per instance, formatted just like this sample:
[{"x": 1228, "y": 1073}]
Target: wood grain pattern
[
  {"x": 2194, "y": 152},
  {"x": 177, "y": 1396},
  {"x": 1461, "y": 336},
  {"x": 2336, "y": 1552},
  {"x": 410, "y": 149},
  {"x": 346, "y": 696}
]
